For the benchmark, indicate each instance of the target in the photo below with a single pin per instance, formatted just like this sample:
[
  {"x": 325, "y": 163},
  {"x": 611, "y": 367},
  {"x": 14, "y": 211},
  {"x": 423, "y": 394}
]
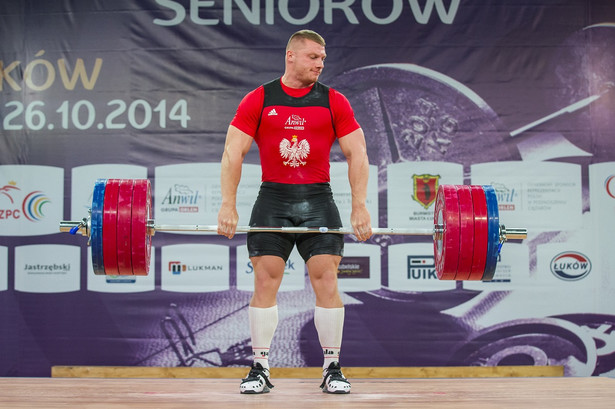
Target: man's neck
[{"x": 294, "y": 83}]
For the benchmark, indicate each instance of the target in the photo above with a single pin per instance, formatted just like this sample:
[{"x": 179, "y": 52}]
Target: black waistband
[{"x": 290, "y": 191}]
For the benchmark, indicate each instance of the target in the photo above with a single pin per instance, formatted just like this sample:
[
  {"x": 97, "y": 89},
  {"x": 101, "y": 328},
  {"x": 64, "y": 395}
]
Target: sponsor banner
[
  {"x": 564, "y": 281},
  {"x": 411, "y": 202},
  {"x": 359, "y": 269},
  {"x": 152, "y": 86},
  {"x": 4, "y": 268},
  {"x": 412, "y": 268},
  {"x": 190, "y": 193},
  {"x": 343, "y": 195},
  {"x": 47, "y": 268},
  {"x": 122, "y": 284},
  {"x": 195, "y": 268},
  {"x": 543, "y": 196},
  {"x": 294, "y": 271},
  {"x": 31, "y": 199},
  {"x": 84, "y": 177},
  {"x": 511, "y": 273}
]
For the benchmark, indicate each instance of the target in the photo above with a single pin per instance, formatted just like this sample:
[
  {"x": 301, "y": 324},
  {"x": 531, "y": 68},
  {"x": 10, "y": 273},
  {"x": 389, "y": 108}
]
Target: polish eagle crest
[{"x": 294, "y": 151}]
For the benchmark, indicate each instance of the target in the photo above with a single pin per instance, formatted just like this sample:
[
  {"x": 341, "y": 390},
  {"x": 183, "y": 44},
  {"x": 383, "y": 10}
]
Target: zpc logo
[
  {"x": 571, "y": 266},
  {"x": 32, "y": 207}
]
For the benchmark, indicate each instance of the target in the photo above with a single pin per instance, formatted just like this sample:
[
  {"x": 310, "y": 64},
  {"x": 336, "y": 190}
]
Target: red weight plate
[
  {"x": 481, "y": 233},
  {"x": 141, "y": 240},
  {"x": 446, "y": 245},
  {"x": 124, "y": 227},
  {"x": 109, "y": 227},
  {"x": 466, "y": 232}
]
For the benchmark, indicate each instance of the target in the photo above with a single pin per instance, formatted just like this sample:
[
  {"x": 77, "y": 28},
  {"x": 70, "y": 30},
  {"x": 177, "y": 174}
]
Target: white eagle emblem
[{"x": 294, "y": 151}]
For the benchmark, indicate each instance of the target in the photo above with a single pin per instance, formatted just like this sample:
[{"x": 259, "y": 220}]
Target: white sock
[
  {"x": 329, "y": 324},
  {"x": 263, "y": 322}
]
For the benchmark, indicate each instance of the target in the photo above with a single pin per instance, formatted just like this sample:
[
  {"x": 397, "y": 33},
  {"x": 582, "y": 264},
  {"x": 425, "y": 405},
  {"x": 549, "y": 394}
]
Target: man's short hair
[{"x": 306, "y": 35}]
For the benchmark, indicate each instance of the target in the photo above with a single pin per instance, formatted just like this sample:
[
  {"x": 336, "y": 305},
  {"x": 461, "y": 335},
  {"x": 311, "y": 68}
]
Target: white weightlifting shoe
[
  {"x": 257, "y": 380},
  {"x": 333, "y": 381}
]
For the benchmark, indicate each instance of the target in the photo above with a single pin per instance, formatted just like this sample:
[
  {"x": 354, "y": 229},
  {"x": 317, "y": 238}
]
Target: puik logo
[
  {"x": 571, "y": 266},
  {"x": 421, "y": 268}
]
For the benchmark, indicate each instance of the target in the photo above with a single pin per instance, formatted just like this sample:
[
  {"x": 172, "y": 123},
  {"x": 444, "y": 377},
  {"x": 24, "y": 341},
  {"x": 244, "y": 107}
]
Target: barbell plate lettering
[
  {"x": 494, "y": 232},
  {"x": 466, "y": 232},
  {"x": 481, "y": 233},
  {"x": 124, "y": 227},
  {"x": 446, "y": 245},
  {"x": 141, "y": 239},
  {"x": 96, "y": 234},
  {"x": 110, "y": 211}
]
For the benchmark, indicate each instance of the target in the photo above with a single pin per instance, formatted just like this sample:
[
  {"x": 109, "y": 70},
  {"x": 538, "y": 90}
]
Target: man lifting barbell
[
  {"x": 295, "y": 206},
  {"x": 295, "y": 120}
]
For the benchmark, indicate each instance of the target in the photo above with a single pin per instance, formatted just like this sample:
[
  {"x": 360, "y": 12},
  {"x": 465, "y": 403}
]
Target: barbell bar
[{"x": 467, "y": 234}]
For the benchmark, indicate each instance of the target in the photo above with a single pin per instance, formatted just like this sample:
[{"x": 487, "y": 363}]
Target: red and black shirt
[{"x": 295, "y": 129}]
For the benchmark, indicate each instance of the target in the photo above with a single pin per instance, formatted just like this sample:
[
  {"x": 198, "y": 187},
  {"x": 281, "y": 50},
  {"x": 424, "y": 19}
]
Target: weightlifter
[{"x": 295, "y": 120}]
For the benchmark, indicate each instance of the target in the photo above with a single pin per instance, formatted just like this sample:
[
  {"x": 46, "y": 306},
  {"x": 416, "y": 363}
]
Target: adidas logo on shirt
[{"x": 272, "y": 112}]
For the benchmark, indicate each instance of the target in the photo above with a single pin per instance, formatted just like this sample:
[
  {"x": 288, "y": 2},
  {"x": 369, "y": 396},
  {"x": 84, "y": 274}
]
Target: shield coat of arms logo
[{"x": 425, "y": 188}]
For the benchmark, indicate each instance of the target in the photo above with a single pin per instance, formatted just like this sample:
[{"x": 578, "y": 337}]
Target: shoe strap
[
  {"x": 255, "y": 373},
  {"x": 335, "y": 374}
]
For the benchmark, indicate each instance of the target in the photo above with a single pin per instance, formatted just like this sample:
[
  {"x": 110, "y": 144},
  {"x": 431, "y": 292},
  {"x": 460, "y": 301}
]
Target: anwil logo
[
  {"x": 295, "y": 122},
  {"x": 571, "y": 266}
]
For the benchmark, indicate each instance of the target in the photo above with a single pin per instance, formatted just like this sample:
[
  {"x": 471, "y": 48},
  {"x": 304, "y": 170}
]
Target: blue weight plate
[
  {"x": 96, "y": 224},
  {"x": 493, "y": 219}
]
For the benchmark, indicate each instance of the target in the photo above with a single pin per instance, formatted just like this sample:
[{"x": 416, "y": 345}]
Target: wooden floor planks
[{"x": 476, "y": 393}]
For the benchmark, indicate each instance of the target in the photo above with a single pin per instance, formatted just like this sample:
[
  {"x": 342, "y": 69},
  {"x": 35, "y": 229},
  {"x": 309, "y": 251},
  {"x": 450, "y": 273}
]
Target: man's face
[{"x": 307, "y": 60}]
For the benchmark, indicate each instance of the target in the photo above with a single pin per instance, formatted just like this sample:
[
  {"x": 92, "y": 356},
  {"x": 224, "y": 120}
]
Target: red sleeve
[
  {"x": 249, "y": 111},
  {"x": 343, "y": 115}
]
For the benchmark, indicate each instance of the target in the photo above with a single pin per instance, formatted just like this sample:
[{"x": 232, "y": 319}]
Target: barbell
[{"x": 467, "y": 234}]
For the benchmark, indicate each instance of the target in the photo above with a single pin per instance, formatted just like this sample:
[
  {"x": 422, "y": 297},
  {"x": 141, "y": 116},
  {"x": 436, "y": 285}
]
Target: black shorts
[{"x": 288, "y": 205}]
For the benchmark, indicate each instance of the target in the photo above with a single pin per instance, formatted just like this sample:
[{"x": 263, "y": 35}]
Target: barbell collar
[
  {"x": 512, "y": 233},
  {"x": 74, "y": 227}
]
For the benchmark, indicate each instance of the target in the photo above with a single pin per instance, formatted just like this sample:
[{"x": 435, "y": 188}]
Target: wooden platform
[
  {"x": 477, "y": 393},
  {"x": 301, "y": 373}
]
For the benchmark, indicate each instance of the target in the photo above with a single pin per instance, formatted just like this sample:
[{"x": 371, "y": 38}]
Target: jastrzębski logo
[{"x": 571, "y": 266}]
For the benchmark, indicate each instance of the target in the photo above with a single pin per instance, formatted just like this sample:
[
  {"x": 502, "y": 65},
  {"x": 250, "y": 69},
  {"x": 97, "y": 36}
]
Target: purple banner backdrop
[{"x": 515, "y": 94}]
